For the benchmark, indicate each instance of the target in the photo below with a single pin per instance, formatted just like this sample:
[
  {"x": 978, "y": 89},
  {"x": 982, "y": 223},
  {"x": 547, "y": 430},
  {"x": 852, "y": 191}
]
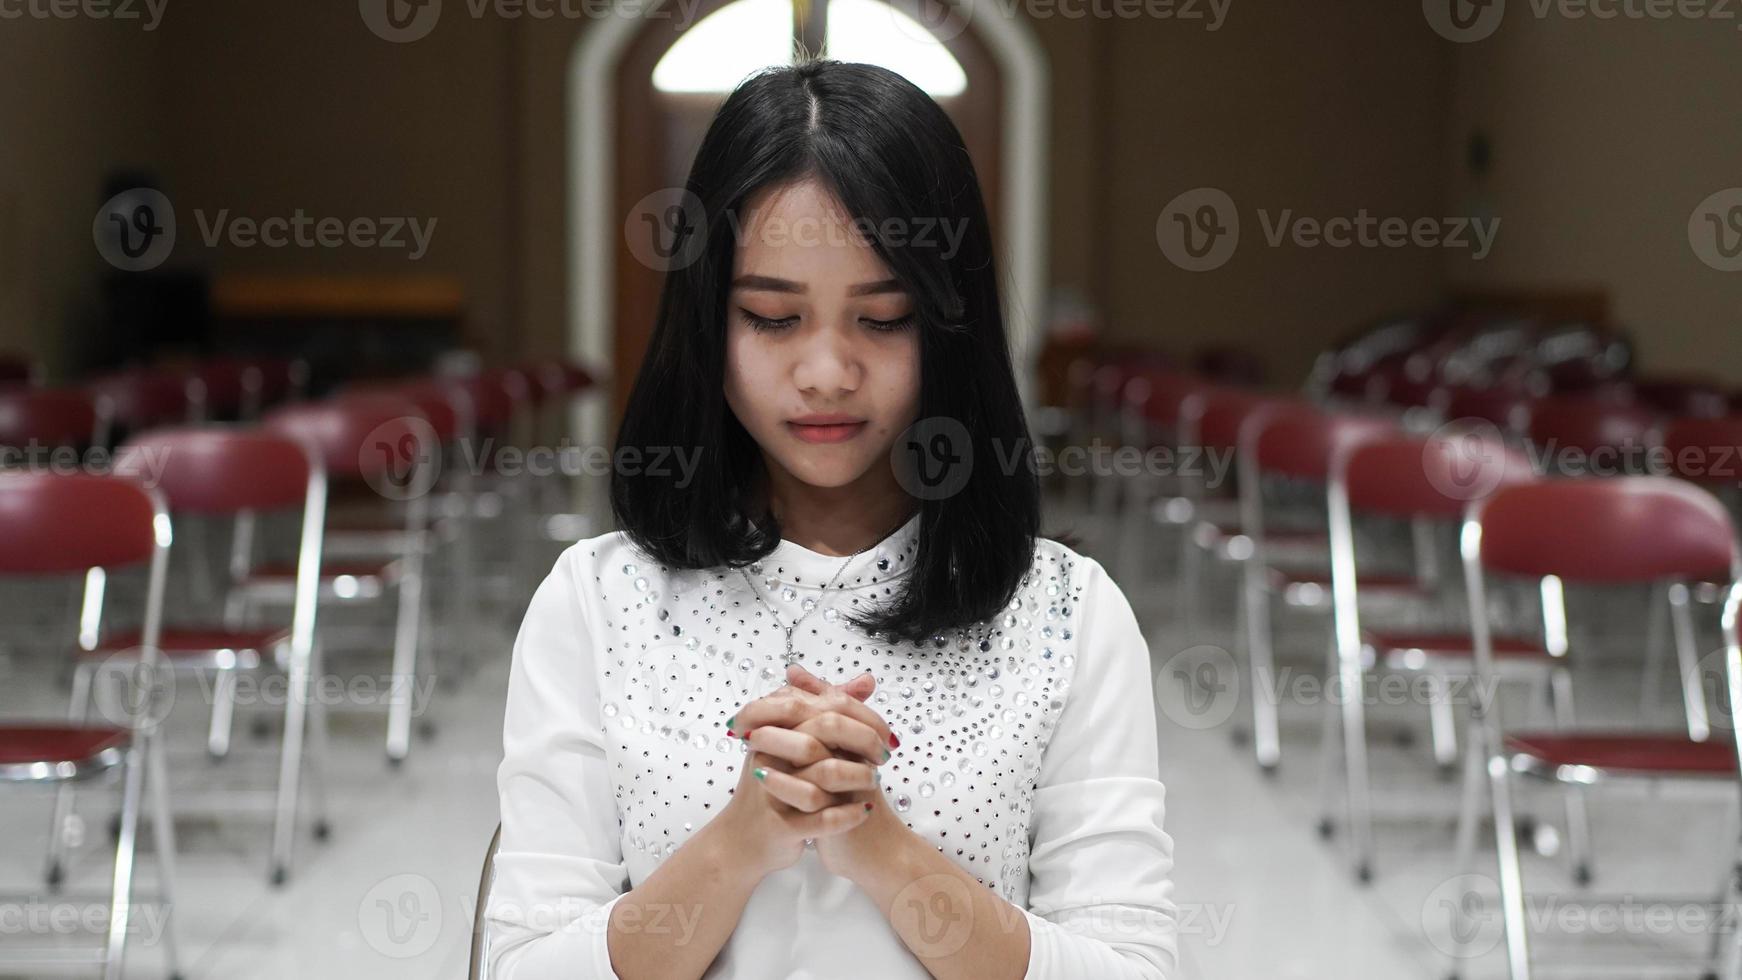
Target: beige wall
[
  {"x": 265, "y": 108},
  {"x": 1607, "y": 135},
  {"x": 78, "y": 98}
]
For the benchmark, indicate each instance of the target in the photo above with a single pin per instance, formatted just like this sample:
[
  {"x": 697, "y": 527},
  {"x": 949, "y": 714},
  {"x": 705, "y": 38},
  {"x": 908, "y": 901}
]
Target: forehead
[{"x": 801, "y": 231}]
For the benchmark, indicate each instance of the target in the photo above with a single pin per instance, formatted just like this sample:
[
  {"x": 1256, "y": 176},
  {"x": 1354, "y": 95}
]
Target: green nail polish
[
  {"x": 885, "y": 755},
  {"x": 759, "y": 772},
  {"x": 730, "y": 720},
  {"x": 877, "y": 776}
]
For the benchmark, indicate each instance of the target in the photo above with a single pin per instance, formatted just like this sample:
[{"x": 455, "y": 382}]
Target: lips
[{"x": 823, "y": 429}]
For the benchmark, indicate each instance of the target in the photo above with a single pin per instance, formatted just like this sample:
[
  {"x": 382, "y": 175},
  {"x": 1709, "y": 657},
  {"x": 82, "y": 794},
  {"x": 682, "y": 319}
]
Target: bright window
[{"x": 747, "y": 35}]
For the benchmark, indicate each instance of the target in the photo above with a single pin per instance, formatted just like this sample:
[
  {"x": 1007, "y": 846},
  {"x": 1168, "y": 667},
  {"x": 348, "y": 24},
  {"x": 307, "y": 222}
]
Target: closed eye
[
  {"x": 760, "y": 322},
  {"x": 889, "y": 326}
]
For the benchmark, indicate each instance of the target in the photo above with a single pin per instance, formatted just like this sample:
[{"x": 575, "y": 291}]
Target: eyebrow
[{"x": 772, "y": 284}]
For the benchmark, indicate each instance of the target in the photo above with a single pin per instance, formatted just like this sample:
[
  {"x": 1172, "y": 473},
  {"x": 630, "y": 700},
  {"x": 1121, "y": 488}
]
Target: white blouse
[{"x": 1028, "y": 756}]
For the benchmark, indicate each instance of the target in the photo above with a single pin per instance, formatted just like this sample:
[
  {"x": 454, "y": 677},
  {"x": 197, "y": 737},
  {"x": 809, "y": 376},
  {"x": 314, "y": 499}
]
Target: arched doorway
[{"x": 631, "y": 134}]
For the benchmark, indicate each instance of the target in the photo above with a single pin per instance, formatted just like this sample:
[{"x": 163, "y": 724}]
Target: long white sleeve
[
  {"x": 560, "y": 867},
  {"x": 1100, "y": 864}
]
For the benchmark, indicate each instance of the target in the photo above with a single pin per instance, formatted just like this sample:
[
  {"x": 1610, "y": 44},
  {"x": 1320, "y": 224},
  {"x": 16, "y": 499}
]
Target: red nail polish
[
  {"x": 894, "y": 743},
  {"x": 729, "y": 734},
  {"x": 867, "y": 806}
]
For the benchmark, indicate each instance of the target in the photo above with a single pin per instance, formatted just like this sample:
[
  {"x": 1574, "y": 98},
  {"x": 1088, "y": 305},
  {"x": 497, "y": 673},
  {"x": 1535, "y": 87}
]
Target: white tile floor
[{"x": 391, "y": 894}]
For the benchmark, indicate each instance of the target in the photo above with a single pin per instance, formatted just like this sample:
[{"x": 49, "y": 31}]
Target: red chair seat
[
  {"x": 1639, "y": 753},
  {"x": 24, "y": 745},
  {"x": 192, "y": 641},
  {"x": 1449, "y": 644}
]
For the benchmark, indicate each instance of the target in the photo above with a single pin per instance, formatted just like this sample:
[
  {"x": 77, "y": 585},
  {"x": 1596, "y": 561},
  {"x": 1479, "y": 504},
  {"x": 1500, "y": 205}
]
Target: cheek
[{"x": 748, "y": 372}]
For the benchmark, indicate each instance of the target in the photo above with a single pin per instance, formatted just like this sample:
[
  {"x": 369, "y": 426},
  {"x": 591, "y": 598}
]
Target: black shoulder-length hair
[{"x": 899, "y": 167}]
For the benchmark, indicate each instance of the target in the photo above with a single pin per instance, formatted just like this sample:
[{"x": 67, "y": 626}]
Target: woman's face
[{"x": 822, "y": 346}]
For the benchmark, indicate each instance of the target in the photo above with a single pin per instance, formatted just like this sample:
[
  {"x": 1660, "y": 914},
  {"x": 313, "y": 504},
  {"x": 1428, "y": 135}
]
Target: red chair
[
  {"x": 1601, "y": 532},
  {"x": 90, "y": 526},
  {"x": 240, "y": 475},
  {"x": 1295, "y": 442},
  {"x": 1426, "y": 482},
  {"x": 1690, "y": 396},
  {"x": 1504, "y": 406},
  {"x": 48, "y": 417},
  {"x": 378, "y": 442},
  {"x": 227, "y": 388},
  {"x": 1590, "y": 436},
  {"x": 142, "y": 398}
]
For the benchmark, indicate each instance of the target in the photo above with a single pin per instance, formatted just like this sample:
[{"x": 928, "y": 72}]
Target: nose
[{"x": 828, "y": 364}]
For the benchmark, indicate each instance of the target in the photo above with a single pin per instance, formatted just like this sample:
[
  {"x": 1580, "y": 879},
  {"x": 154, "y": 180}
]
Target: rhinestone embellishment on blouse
[{"x": 680, "y": 651}]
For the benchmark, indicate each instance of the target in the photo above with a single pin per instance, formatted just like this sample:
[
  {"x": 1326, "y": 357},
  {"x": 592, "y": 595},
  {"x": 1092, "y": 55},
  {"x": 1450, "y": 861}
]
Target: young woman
[{"x": 827, "y": 706}]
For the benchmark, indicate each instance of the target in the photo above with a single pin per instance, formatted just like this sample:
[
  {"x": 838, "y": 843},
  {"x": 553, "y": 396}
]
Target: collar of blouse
[{"x": 805, "y": 571}]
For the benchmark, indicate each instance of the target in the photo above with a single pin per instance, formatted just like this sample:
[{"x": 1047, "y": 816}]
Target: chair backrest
[
  {"x": 1706, "y": 450},
  {"x": 1626, "y": 529},
  {"x": 358, "y": 437},
  {"x": 1694, "y": 396},
  {"x": 220, "y": 470},
  {"x": 1505, "y": 406},
  {"x": 68, "y": 523},
  {"x": 480, "y": 959},
  {"x": 1299, "y": 441},
  {"x": 227, "y": 388},
  {"x": 1434, "y": 476},
  {"x": 1590, "y": 424},
  {"x": 435, "y": 400},
  {"x": 1218, "y": 413},
  {"x": 487, "y": 402},
  {"x": 47, "y": 417},
  {"x": 143, "y": 398}
]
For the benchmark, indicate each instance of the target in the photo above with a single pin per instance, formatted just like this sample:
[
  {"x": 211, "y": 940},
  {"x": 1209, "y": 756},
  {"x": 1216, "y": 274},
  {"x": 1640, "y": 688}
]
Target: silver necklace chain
[{"x": 788, "y": 629}]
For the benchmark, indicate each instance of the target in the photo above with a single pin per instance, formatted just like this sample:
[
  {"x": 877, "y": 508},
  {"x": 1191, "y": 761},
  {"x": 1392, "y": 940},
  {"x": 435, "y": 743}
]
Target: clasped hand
[{"x": 813, "y": 771}]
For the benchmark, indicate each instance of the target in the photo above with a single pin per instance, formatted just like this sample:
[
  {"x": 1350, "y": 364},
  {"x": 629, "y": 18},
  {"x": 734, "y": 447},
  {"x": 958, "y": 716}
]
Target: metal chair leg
[
  {"x": 1359, "y": 800},
  {"x": 78, "y": 710},
  {"x": 298, "y": 692},
  {"x": 1578, "y": 820},
  {"x": 1442, "y": 720},
  {"x": 405, "y": 642},
  {"x": 1511, "y": 871},
  {"x": 121, "y": 890},
  {"x": 1266, "y": 739},
  {"x": 1656, "y": 605},
  {"x": 223, "y": 713},
  {"x": 163, "y": 830}
]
